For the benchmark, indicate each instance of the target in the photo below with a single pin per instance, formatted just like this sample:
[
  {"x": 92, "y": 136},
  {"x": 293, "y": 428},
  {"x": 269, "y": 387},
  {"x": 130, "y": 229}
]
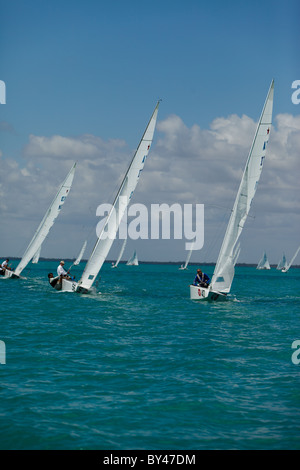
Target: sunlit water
[{"x": 138, "y": 365}]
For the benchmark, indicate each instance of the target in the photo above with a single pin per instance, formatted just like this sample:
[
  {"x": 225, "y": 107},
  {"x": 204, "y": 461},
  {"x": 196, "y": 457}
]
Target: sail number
[{"x": 201, "y": 293}]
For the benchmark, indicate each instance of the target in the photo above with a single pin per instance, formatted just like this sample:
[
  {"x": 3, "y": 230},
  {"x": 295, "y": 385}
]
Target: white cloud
[{"x": 185, "y": 165}]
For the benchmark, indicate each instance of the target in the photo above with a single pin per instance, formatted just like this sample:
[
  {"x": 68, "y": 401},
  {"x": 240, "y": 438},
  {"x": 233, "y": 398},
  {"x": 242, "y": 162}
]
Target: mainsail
[
  {"x": 110, "y": 228},
  {"x": 47, "y": 222},
  {"x": 264, "y": 262},
  {"x": 224, "y": 270},
  {"x": 133, "y": 261}
]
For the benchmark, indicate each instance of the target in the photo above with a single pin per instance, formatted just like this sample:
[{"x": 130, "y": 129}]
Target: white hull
[
  {"x": 205, "y": 293},
  {"x": 11, "y": 274},
  {"x": 67, "y": 285}
]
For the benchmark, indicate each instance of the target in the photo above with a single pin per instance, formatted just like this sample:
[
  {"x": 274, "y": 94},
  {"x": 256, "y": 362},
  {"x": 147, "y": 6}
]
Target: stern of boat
[
  {"x": 72, "y": 286},
  {"x": 11, "y": 274},
  {"x": 205, "y": 293}
]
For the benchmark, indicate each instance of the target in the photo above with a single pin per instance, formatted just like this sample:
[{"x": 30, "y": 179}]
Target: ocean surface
[{"x": 138, "y": 365}]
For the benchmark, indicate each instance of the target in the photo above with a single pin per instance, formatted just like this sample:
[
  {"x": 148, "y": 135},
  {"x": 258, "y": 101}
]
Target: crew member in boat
[
  {"x": 61, "y": 272},
  {"x": 54, "y": 281},
  {"x": 201, "y": 279},
  {"x": 4, "y": 266}
]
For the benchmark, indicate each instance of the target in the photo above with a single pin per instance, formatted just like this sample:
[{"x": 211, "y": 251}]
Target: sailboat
[
  {"x": 224, "y": 270},
  {"x": 182, "y": 267},
  {"x": 36, "y": 256},
  {"x": 282, "y": 263},
  {"x": 110, "y": 228},
  {"x": 115, "y": 265},
  {"x": 133, "y": 261},
  {"x": 263, "y": 262},
  {"x": 79, "y": 257},
  {"x": 287, "y": 267},
  {"x": 45, "y": 225}
]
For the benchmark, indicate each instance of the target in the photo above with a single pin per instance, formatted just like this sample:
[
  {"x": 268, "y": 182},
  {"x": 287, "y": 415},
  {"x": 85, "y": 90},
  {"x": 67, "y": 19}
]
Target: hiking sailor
[{"x": 201, "y": 279}]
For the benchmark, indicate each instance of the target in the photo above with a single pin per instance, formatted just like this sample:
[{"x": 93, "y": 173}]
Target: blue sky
[{"x": 75, "y": 68}]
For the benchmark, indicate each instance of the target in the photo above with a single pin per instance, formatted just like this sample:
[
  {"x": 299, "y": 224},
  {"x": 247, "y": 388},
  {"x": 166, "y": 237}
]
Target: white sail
[
  {"x": 120, "y": 254},
  {"x": 188, "y": 257},
  {"x": 36, "y": 257},
  {"x": 291, "y": 262},
  {"x": 110, "y": 228},
  {"x": 133, "y": 261},
  {"x": 79, "y": 257},
  {"x": 282, "y": 263},
  {"x": 264, "y": 262},
  {"x": 224, "y": 269},
  {"x": 47, "y": 222}
]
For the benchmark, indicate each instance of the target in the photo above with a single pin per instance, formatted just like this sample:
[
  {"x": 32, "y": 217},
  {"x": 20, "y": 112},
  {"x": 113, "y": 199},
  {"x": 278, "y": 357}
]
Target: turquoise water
[{"x": 141, "y": 366}]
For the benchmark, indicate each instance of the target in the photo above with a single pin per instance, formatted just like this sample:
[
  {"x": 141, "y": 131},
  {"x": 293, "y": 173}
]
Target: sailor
[
  {"x": 4, "y": 266},
  {"x": 62, "y": 272},
  {"x": 201, "y": 279},
  {"x": 54, "y": 281}
]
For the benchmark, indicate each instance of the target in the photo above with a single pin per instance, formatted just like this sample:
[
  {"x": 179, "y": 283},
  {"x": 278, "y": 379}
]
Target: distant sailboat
[
  {"x": 79, "y": 257},
  {"x": 182, "y": 267},
  {"x": 264, "y": 262},
  {"x": 36, "y": 257},
  {"x": 282, "y": 263},
  {"x": 44, "y": 227},
  {"x": 133, "y": 261},
  {"x": 285, "y": 269},
  {"x": 115, "y": 265},
  {"x": 110, "y": 228},
  {"x": 230, "y": 249}
]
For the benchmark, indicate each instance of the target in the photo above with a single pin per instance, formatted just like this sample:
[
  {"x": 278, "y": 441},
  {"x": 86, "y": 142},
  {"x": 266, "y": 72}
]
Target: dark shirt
[{"x": 201, "y": 279}]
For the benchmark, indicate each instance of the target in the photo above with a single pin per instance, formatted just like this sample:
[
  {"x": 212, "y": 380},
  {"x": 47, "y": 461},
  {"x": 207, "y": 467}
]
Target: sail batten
[{"x": 224, "y": 269}]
